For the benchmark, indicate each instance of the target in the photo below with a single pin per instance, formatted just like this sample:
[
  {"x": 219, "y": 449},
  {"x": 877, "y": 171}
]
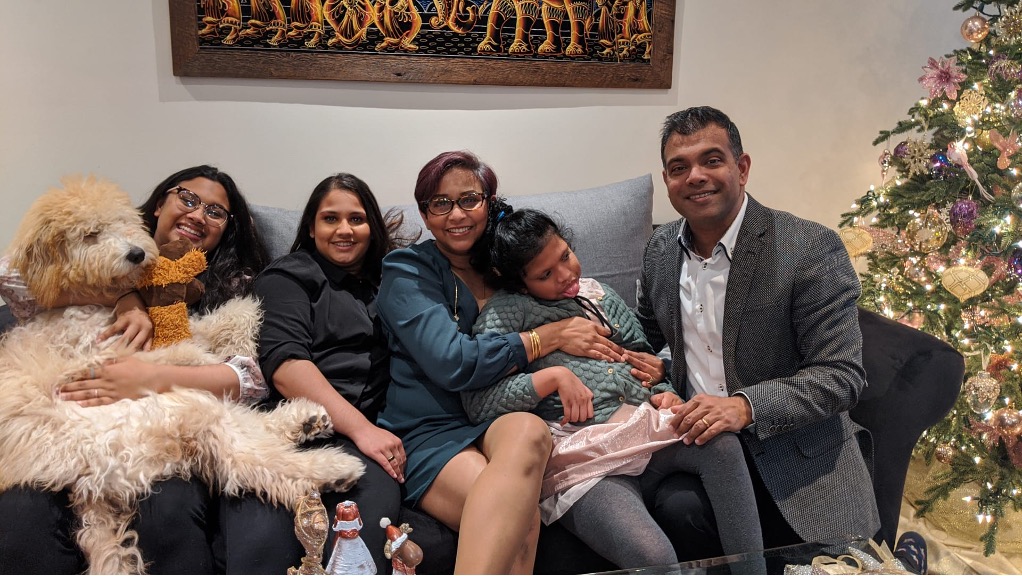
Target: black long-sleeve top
[{"x": 316, "y": 311}]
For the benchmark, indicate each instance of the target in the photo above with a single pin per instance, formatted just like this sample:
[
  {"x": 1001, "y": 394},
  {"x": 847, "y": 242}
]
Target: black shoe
[{"x": 911, "y": 550}]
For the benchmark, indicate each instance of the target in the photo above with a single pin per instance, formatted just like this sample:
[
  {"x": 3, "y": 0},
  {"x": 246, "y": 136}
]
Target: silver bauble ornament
[{"x": 981, "y": 391}]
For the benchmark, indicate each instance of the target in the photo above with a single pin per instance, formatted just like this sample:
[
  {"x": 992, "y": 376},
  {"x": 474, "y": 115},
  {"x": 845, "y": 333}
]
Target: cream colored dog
[{"x": 87, "y": 238}]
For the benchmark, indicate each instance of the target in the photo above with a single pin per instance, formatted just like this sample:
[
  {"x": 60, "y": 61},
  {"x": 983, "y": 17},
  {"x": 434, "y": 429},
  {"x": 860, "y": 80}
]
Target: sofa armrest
[{"x": 913, "y": 380}]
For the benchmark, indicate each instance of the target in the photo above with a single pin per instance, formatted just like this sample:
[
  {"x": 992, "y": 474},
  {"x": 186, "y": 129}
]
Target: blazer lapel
[
  {"x": 744, "y": 260},
  {"x": 679, "y": 367}
]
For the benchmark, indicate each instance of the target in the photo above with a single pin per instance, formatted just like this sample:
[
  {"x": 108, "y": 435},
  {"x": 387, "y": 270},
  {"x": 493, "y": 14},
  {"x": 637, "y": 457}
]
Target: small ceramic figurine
[
  {"x": 311, "y": 526},
  {"x": 404, "y": 554},
  {"x": 350, "y": 554}
]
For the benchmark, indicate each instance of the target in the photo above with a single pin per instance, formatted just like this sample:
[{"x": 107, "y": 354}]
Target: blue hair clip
[{"x": 500, "y": 216}]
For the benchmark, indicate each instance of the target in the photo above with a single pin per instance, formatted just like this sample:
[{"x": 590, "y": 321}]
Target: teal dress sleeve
[{"x": 433, "y": 332}]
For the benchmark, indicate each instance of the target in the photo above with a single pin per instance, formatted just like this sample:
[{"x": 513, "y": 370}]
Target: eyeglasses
[
  {"x": 215, "y": 214},
  {"x": 440, "y": 205}
]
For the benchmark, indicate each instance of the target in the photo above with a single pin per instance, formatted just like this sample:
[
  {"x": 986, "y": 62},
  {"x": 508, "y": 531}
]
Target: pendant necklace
[{"x": 455, "y": 295}]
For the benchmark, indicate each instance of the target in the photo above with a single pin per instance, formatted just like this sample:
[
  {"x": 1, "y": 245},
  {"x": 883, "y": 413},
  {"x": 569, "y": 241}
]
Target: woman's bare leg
[{"x": 495, "y": 487}]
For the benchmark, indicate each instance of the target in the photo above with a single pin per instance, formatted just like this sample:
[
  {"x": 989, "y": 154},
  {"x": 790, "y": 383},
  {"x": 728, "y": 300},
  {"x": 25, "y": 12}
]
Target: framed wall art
[{"x": 579, "y": 43}]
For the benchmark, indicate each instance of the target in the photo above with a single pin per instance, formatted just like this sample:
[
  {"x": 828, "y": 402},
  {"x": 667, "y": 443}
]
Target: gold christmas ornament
[
  {"x": 975, "y": 28},
  {"x": 944, "y": 453},
  {"x": 1016, "y": 193},
  {"x": 928, "y": 232},
  {"x": 964, "y": 281},
  {"x": 856, "y": 240},
  {"x": 982, "y": 139},
  {"x": 1007, "y": 421},
  {"x": 311, "y": 528},
  {"x": 970, "y": 104},
  {"x": 981, "y": 391},
  {"x": 1009, "y": 25}
]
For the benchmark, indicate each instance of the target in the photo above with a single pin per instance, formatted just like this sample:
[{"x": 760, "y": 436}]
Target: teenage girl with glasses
[{"x": 176, "y": 523}]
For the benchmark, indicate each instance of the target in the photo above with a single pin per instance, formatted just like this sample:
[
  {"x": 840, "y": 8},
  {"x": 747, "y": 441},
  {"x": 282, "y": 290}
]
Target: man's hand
[{"x": 703, "y": 417}]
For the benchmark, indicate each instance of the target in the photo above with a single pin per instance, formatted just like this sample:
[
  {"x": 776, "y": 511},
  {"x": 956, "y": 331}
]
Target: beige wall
[{"x": 87, "y": 87}]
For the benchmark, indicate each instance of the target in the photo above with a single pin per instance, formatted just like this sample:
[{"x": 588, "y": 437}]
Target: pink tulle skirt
[{"x": 621, "y": 446}]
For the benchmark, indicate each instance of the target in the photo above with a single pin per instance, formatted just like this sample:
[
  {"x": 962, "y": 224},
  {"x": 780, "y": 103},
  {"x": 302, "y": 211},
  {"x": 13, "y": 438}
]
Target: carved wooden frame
[{"x": 189, "y": 59}]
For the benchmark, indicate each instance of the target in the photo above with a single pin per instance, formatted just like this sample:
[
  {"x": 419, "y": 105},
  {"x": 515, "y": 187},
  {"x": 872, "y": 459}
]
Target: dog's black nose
[{"x": 136, "y": 255}]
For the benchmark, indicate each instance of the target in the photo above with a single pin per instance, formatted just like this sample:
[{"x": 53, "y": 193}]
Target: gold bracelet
[{"x": 537, "y": 349}]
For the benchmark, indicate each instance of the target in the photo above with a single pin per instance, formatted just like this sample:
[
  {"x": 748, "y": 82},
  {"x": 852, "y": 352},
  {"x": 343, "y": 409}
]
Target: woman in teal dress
[{"x": 482, "y": 480}]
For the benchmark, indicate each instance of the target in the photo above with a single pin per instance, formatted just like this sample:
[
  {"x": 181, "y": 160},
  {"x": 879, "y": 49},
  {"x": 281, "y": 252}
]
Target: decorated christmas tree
[{"x": 942, "y": 236}]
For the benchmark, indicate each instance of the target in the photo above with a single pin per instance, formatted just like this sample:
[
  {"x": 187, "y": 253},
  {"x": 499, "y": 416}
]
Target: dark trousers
[
  {"x": 260, "y": 539},
  {"x": 36, "y": 533},
  {"x": 174, "y": 526},
  {"x": 683, "y": 510},
  {"x": 184, "y": 530}
]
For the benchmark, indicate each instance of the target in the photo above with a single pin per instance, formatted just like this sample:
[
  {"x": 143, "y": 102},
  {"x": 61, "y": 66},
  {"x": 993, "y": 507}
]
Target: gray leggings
[{"x": 613, "y": 519}]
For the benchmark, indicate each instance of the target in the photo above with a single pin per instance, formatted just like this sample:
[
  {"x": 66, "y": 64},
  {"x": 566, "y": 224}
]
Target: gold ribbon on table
[
  {"x": 956, "y": 516},
  {"x": 856, "y": 561}
]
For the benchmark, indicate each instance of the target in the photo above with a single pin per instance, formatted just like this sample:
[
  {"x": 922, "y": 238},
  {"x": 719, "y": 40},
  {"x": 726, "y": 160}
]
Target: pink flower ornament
[{"x": 942, "y": 75}]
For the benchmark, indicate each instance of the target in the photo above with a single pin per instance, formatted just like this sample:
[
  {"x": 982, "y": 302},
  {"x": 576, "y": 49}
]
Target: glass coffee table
[{"x": 776, "y": 559}]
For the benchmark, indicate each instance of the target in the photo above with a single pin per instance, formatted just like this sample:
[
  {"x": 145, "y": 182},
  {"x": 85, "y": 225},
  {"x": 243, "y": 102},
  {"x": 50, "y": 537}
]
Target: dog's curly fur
[{"x": 88, "y": 238}]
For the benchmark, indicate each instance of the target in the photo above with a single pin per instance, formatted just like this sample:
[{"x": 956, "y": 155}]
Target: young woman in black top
[{"x": 320, "y": 339}]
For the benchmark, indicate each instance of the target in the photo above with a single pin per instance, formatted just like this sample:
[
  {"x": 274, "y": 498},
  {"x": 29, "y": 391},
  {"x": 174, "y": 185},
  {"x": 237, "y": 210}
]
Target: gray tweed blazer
[{"x": 792, "y": 345}]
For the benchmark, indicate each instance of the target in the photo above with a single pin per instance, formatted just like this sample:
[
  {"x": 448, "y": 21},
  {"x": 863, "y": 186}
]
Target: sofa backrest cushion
[{"x": 610, "y": 225}]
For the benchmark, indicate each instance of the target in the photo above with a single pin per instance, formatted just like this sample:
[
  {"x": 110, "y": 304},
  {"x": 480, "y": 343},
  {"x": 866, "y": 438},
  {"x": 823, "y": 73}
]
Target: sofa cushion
[{"x": 610, "y": 223}]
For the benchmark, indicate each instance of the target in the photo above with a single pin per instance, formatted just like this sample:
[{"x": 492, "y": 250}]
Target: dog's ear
[{"x": 39, "y": 258}]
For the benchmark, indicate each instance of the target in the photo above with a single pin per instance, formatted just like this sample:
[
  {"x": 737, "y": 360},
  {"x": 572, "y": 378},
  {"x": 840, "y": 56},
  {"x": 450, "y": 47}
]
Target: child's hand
[
  {"x": 576, "y": 399},
  {"x": 666, "y": 400}
]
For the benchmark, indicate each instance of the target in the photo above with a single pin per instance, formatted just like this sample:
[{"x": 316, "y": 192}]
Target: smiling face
[
  {"x": 705, "y": 182},
  {"x": 553, "y": 274},
  {"x": 341, "y": 230},
  {"x": 174, "y": 221},
  {"x": 458, "y": 230}
]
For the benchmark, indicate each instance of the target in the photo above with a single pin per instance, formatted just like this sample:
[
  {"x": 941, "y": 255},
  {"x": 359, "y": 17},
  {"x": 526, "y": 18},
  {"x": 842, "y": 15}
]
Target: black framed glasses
[
  {"x": 440, "y": 205},
  {"x": 215, "y": 214}
]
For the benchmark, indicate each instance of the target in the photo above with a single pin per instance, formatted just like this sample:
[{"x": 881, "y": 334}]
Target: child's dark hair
[
  {"x": 518, "y": 238},
  {"x": 497, "y": 209}
]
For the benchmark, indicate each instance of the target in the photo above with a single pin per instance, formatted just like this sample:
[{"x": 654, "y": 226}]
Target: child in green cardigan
[{"x": 611, "y": 438}]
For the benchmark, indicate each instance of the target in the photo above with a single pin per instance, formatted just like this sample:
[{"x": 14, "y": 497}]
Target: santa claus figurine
[
  {"x": 350, "y": 554},
  {"x": 404, "y": 554}
]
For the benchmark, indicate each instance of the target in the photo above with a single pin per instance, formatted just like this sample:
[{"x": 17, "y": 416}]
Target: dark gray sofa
[
  {"x": 904, "y": 367},
  {"x": 913, "y": 377}
]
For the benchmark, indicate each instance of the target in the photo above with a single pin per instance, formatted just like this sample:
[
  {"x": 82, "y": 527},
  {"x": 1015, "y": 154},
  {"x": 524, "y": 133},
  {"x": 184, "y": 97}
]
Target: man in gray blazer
[{"x": 758, "y": 308}]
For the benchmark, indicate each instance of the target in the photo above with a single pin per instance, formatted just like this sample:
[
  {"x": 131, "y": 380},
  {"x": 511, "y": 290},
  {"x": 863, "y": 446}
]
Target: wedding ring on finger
[
  {"x": 705, "y": 423},
  {"x": 92, "y": 373},
  {"x": 391, "y": 458}
]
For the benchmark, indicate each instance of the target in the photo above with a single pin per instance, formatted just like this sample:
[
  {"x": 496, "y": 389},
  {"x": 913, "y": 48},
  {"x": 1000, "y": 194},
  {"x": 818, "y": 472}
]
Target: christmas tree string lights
[{"x": 942, "y": 238}]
